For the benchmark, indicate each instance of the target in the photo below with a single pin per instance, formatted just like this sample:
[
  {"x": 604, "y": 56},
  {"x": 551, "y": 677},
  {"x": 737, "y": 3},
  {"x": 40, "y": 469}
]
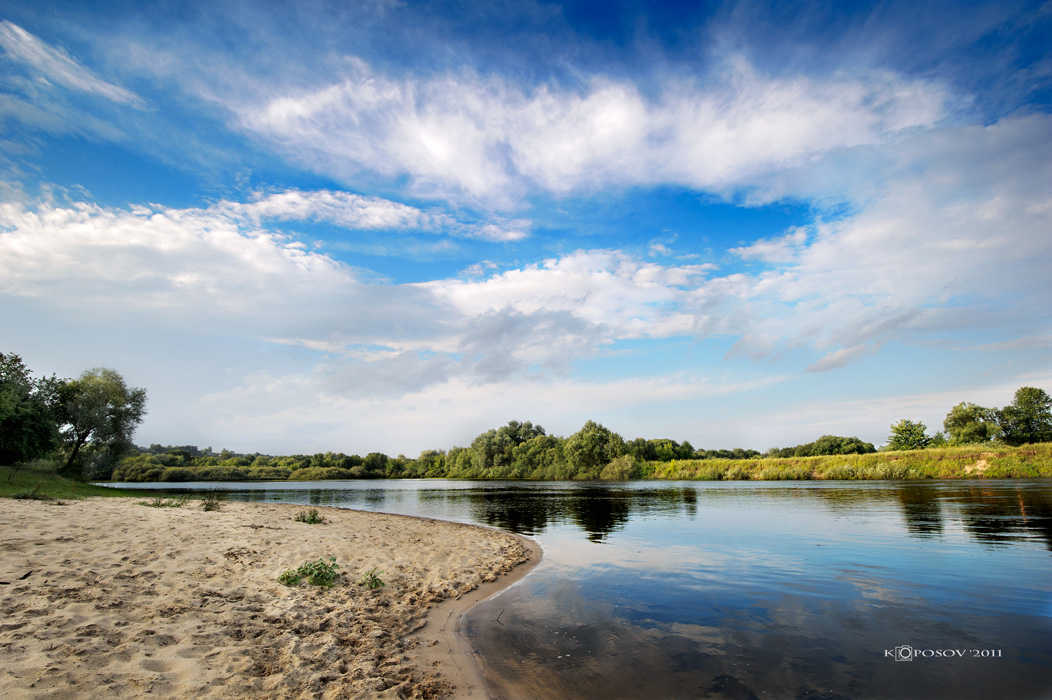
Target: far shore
[{"x": 111, "y": 598}]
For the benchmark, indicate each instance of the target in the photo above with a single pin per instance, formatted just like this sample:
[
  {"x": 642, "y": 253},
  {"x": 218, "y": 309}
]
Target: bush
[
  {"x": 737, "y": 473},
  {"x": 620, "y": 469},
  {"x": 318, "y": 573},
  {"x": 311, "y": 517}
]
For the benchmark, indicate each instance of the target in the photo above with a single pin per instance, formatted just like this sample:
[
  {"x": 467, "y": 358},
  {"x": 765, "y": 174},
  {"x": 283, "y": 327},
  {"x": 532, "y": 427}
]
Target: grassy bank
[
  {"x": 39, "y": 480},
  {"x": 969, "y": 462}
]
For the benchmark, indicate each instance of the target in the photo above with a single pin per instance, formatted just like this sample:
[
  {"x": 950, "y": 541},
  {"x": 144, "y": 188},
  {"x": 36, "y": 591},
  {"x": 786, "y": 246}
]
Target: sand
[{"x": 109, "y": 598}]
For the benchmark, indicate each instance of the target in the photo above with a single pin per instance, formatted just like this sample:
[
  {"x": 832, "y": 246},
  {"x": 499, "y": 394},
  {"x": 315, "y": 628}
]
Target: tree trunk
[{"x": 70, "y": 469}]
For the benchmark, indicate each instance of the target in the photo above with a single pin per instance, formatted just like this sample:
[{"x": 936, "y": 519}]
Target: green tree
[
  {"x": 495, "y": 449},
  {"x": 907, "y": 435},
  {"x": 28, "y": 425},
  {"x": 1028, "y": 419},
  {"x": 591, "y": 448},
  {"x": 99, "y": 413},
  {"x": 969, "y": 423}
]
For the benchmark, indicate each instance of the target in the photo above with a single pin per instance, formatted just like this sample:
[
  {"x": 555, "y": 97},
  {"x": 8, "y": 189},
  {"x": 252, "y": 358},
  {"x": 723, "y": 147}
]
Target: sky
[{"x": 390, "y": 226}]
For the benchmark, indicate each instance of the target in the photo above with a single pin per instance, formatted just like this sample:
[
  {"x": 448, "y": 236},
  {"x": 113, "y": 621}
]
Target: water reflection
[
  {"x": 994, "y": 513},
  {"x": 922, "y": 510},
  {"x": 765, "y": 591}
]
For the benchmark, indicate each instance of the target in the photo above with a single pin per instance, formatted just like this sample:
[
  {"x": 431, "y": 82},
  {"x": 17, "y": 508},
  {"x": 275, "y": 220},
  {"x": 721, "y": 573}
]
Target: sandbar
[{"x": 111, "y": 598}]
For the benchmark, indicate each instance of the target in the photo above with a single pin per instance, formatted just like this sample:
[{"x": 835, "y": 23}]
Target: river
[{"x": 741, "y": 590}]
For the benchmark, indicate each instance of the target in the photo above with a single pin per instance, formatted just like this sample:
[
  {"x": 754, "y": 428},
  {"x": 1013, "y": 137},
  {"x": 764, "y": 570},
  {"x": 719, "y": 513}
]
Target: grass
[
  {"x": 317, "y": 573},
  {"x": 32, "y": 495},
  {"x": 40, "y": 481},
  {"x": 967, "y": 462},
  {"x": 311, "y": 517}
]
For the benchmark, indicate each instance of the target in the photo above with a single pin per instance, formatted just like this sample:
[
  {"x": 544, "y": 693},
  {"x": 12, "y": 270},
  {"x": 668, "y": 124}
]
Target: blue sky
[{"x": 391, "y": 226}]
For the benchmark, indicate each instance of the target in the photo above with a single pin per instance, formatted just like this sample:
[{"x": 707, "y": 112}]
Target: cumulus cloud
[
  {"x": 504, "y": 343},
  {"x": 489, "y": 140},
  {"x": 611, "y": 288},
  {"x": 193, "y": 265}
]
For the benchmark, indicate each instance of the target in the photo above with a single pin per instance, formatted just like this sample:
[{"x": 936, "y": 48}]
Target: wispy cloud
[
  {"x": 344, "y": 209},
  {"x": 55, "y": 65}
]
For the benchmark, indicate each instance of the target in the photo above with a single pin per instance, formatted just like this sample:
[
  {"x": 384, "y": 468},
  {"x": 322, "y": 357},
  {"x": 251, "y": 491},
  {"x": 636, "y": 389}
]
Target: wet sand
[{"x": 111, "y": 598}]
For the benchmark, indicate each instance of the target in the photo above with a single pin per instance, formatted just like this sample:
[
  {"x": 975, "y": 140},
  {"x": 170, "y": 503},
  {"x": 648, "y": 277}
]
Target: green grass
[
  {"x": 968, "y": 462},
  {"x": 41, "y": 479}
]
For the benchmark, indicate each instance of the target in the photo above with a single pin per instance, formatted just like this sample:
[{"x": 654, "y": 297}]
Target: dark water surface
[{"x": 741, "y": 590}]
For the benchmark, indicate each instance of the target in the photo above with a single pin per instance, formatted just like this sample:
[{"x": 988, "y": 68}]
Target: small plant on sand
[
  {"x": 318, "y": 573},
  {"x": 213, "y": 500},
  {"x": 311, "y": 517},
  {"x": 161, "y": 502},
  {"x": 371, "y": 579}
]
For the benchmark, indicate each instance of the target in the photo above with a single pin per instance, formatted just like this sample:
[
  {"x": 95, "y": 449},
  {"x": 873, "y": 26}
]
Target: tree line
[{"x": 518, "y": 450}]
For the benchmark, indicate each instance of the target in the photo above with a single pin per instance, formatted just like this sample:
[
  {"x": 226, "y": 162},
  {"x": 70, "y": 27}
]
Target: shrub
[
  {"x": 213, "y": 500},
  {"x": 620, "y": 469},
  {"x": 311, "y": 517},
  {"x": 318, "y": 573},
  {"x": 736, "y": 473}
]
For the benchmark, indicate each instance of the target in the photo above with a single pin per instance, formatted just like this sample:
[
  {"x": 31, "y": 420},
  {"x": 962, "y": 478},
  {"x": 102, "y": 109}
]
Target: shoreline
[
  {"x": 450, "y": 649},
  {"x": 109, "y": 597}
]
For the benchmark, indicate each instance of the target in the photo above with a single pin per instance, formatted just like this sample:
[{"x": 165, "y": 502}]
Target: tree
[
  {"x": 907, "y": 435},
  {"x": 1028, "y": 419},
  {"x": 968, "y": 423},
  {"x": 593, "y": 447},
  {"x": 496, "y": 448},
  {"x": 28, "y": 425},
  {"x": 99, "y": 413}
]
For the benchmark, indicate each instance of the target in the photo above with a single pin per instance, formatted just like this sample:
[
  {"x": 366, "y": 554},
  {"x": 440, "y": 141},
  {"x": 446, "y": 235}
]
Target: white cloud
[
  {"x": 610, "y": 288},
  {"x": 780, "y": 250},
  {"x": 503, "y": 231},
  {"x": 193, "y": 266},
  {"x": 957, "y": 232},
  {"x": 490, "y": 141},
  {"x": 344, "y": 209},
  {"x": 55, "y": 65}
]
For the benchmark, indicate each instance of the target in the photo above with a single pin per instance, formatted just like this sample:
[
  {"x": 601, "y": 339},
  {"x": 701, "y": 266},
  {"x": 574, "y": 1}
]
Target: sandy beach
[{"x": 109, "y": 598}]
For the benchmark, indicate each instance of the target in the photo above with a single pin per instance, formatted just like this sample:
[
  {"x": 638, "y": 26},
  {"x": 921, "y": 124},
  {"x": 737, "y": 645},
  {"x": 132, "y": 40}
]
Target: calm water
[{"x": 750, "y": 589}]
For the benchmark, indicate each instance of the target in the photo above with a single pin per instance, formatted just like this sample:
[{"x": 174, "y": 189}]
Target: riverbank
[
  {"x": 113, "y": 598},
  {"x": 963, "y": 462}
]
